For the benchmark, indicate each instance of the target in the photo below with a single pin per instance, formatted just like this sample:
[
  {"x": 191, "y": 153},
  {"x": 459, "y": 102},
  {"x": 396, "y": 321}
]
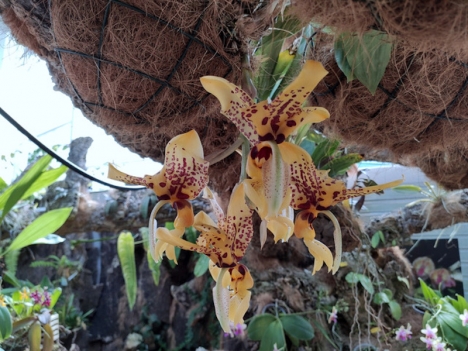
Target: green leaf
[
  {"x": 323, "y": 150},
  {"x": 352, "y": 278},
  {"x": 364, "y": 58},
  {"x": 404, "y": 280},
  {"x": 366, "y": 283},
  {"x": 427, "y": 316},
  {"x": 297, "y": 327},
  {"x": 34, "y": 337},
  {"x": 6, "y": 324},
  {"x": 269, "y": 50},
  {"x": 3, "y": 185},
  {"x": 11, "y": 279},
  {"x": 259, "y": 325},
  {"x": 429, "y": 295},
  {"x": 11, "y": 261},
  {"x": 395, "y": 309},
  {"x": 45, "y": 179},
  {"x": 14, "y": 193},
  {"x": 451, "y": 316},
  {"x": 273, "y": 335},
  {"x": 339, "y": 165},
  {"x": 383, "y": 297},
  {"x": 375, "y": 240},
  {"x": 55, "y": 296},
  {"x": 43, "y": 225},
  {"x": 451, "y": 336},
  {"x": 191, "y": 234},
  {"x": 201, "y": 266},
  {"x": 47, "y": 338},
  {"x": 462, "y": 303},
  {"x": 126, "y": 252},
  {"x": 155, "y": 268}
]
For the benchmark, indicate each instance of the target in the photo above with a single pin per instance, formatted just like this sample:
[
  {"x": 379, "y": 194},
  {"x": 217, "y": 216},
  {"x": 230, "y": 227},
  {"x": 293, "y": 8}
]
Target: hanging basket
[{"x": 133, "y": 66}]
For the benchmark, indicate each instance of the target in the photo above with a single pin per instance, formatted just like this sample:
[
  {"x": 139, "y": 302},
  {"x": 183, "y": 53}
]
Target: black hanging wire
[{"x": 60, "y": 159}]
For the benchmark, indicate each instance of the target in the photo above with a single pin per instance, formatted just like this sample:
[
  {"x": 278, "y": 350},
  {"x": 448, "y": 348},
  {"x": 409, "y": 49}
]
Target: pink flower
[
  {"x": 333, "y": 316},
  {"x": 438, "y": 345},
  {"x": 404, "y": 334},
  {"x": 431, "y": 333},
  {"x": 423, "y": 267},
  {"x": 36, "y": 296},
  {"x": 46, "y": 301},
  {"x": 441, "y": 277},
  {"x": 236, "y": 330},
  {"x": 464, "y": 318}
]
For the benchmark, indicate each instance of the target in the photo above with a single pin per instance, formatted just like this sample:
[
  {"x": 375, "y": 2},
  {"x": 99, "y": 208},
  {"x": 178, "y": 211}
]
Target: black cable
[{"x": 67, "y": 163}]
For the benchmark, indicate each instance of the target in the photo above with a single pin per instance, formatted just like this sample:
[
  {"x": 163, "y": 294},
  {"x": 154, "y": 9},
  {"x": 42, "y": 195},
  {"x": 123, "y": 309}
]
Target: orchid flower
[
  {"x": 183, "y": 177},
  {"x": 314, "y": 192},
  {"x": 225, "y": 244},
  {"x": 267, "y": 125},
  {"x": 403, "y": 334}
]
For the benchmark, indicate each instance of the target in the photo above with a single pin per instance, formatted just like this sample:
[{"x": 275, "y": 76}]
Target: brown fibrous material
[
  {"x": 420, "y": 106},
  {"x": 133, "y": 66},
  {"x": 421, "y": 25}
]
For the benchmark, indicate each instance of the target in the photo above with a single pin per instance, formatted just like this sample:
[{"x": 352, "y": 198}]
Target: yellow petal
[
  {"x": 185, "y": 216},
  {"x": 185, "y": 172},
  {"x": 115, "y": 174},
  {"x": 337, "y": 239},
  {"x": 236, "y": 104},
  {"x": 275, "y": 174},
  {"x": 218, "y": 211},
  {"x": 303, "y": 228},
  {"x": 321, "y": 254},
  {"x": 238, "y": 225},
  {"x": 285, "y": 113},
  {"x": 221, "y": 299},
  {"x": 203, "y": 222},
  {"x": 314, "y": 189},
  {"x": 238, "y": 307}
]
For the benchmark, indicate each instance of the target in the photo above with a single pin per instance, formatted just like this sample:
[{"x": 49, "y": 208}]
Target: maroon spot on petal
[
  {"x": 162, "y": 184},
  {"x": 254, "y": 110},
  {"x": 280, "y": 138},
  {"x": 241, "y": 269},
  {"x": 266, "y": 137},
  {"x": 178, "y": 205},
  {"x": 225, "y": 255},
  {"x": 264, "y": 121},
  {"x": 164, "y": 197},
  {"x": 291, "y": 123},
  {"x": 182, "y": 196},
  {"x": 254, "y": 152},
  {"x": 265, "y": 153},
  {"x": 150, "y": 185}
]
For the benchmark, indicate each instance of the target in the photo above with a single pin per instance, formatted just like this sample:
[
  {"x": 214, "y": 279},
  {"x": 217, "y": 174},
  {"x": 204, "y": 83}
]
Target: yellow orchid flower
[
  {"x": 267, "y": 125},
  {"x": 314, "y": 192},
  {"x": 183, "y": 177},
  {"x": 225, "y": 244}
]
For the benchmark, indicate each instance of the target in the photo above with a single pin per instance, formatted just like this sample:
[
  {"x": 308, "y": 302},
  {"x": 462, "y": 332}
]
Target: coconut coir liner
[
  {"x": 133, "y": 67},
  {"x": 423, "y": 25},
  {"x": 420, "y": 105}
]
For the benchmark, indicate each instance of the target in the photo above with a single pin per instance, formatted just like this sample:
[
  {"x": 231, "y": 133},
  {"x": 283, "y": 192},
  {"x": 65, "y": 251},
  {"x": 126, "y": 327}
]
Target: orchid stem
[{"x": 245, "y": 155}]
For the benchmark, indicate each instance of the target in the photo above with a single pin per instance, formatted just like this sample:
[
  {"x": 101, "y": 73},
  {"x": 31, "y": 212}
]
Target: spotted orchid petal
[
  {"x": 268, "y": 188},
  {"x": 236, "y": 104},
  {"x": 238, "y": 225},
  {"x": 312, "y": 188},
  {"x": 221, "y": 298},
  {"x": 184, "y": 174},
  {"x": 270, "y": 120}
]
